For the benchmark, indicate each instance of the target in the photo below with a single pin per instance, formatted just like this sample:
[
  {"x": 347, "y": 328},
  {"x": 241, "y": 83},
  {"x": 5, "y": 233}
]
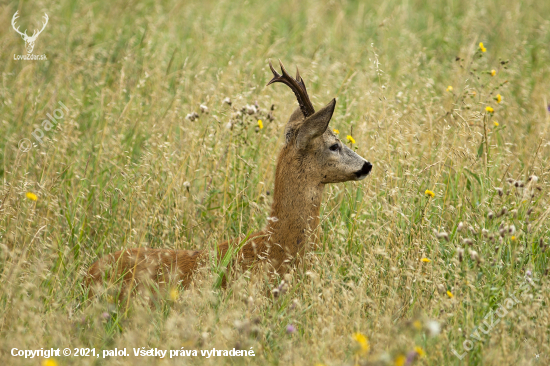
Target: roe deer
[{"x": 311, "y": 157}]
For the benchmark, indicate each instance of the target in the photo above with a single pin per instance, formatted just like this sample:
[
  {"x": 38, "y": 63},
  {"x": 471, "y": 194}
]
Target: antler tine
[
  {"x": 43, "y": 25},
  {"x": 296, "y": 85},
  {"x": 46, "y": 18},
  {"x": 276, "y": 75},
  {"x": 283, "y": 69},
  {"x": 298, "y": 78},
  {"x": 13, "y": 19}
]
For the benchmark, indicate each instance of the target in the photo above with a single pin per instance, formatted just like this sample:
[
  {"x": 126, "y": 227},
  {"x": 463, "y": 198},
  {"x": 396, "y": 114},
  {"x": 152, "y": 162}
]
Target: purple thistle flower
[
  {"x": 411, "y": 356},
  {"x": 290, "y": 329}
]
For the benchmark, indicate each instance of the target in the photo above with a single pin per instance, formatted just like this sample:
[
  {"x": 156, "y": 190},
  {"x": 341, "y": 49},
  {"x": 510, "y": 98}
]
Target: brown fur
[{"x": 305, "y": 164}]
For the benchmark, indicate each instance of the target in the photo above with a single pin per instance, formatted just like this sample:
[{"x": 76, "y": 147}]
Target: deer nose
[{"x": 365, "y": 170}]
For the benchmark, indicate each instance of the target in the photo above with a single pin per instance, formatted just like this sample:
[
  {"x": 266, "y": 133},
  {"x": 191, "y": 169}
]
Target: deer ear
[{"x": 315, "y": 125}]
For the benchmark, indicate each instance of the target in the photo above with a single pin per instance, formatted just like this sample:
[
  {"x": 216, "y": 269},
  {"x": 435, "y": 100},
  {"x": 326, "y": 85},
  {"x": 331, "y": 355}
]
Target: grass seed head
[{"x": 460, "y": 252}]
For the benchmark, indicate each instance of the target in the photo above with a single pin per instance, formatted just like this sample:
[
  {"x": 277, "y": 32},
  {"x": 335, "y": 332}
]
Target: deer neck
[{"x": 296, "y": 205}]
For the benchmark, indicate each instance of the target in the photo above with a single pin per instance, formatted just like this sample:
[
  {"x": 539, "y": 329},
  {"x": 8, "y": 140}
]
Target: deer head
[
  {"x": 29, "y": 41},
  {"x": 322, "y": 156}
]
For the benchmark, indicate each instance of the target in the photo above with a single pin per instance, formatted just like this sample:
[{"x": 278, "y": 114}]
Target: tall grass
[{"x": 126, "y": 168}]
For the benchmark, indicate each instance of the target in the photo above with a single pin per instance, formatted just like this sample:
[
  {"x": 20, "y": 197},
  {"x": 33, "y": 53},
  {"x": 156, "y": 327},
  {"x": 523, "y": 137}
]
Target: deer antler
[
  {"x": 36, "y": 33},
  {"x": 297, "y": 85},
  {"x": 15, "y": 16}
]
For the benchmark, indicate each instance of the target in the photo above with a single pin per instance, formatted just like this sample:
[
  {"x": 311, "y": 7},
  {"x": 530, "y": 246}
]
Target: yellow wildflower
[
  {"x": 31, "y": 196},
  {"x": 450, "y": 294},
  {"x": 429, "y": 193},
  {"x": 493, "y": 72},
  {"x": 260, "y": 124},
  {"x": 174, "y": 294},
  {"x": 489, "y": 109},
  {"x": 426, "y": 260},
  {"x": 481, "y": 47},
  {"x": 474, "y": 93},
  {"x": 351, "y": 139},
  {"x": 49, "y": 362},
  {"x": 513, "y": 238},
  {"x": 400, "y": 360},
  {"x": 420, "y": 351},
  {"x": 417, "y": 324},
  {"x": 495, "y": 123},
  {"x": 336, "y": 131},
  {"x": 449, "y": 88},
  {"x": 363, "y": 343},
  {"x": 499, "y": 98}
]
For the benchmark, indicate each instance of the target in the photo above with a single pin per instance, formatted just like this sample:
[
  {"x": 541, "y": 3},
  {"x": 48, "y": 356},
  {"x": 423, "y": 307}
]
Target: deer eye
[{"x": 334, "y": 147}]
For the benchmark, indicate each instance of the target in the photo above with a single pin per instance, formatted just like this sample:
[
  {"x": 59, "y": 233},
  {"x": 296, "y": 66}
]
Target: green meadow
[{"x": 439, "y": 257}]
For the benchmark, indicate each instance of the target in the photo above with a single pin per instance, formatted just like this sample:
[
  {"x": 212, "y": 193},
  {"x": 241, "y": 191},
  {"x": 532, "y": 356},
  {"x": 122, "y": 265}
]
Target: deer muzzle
[{"x": 364, "y": 171}]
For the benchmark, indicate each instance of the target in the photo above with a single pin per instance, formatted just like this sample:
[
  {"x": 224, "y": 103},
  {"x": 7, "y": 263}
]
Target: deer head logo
[{"x": 29, "y": 41}]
